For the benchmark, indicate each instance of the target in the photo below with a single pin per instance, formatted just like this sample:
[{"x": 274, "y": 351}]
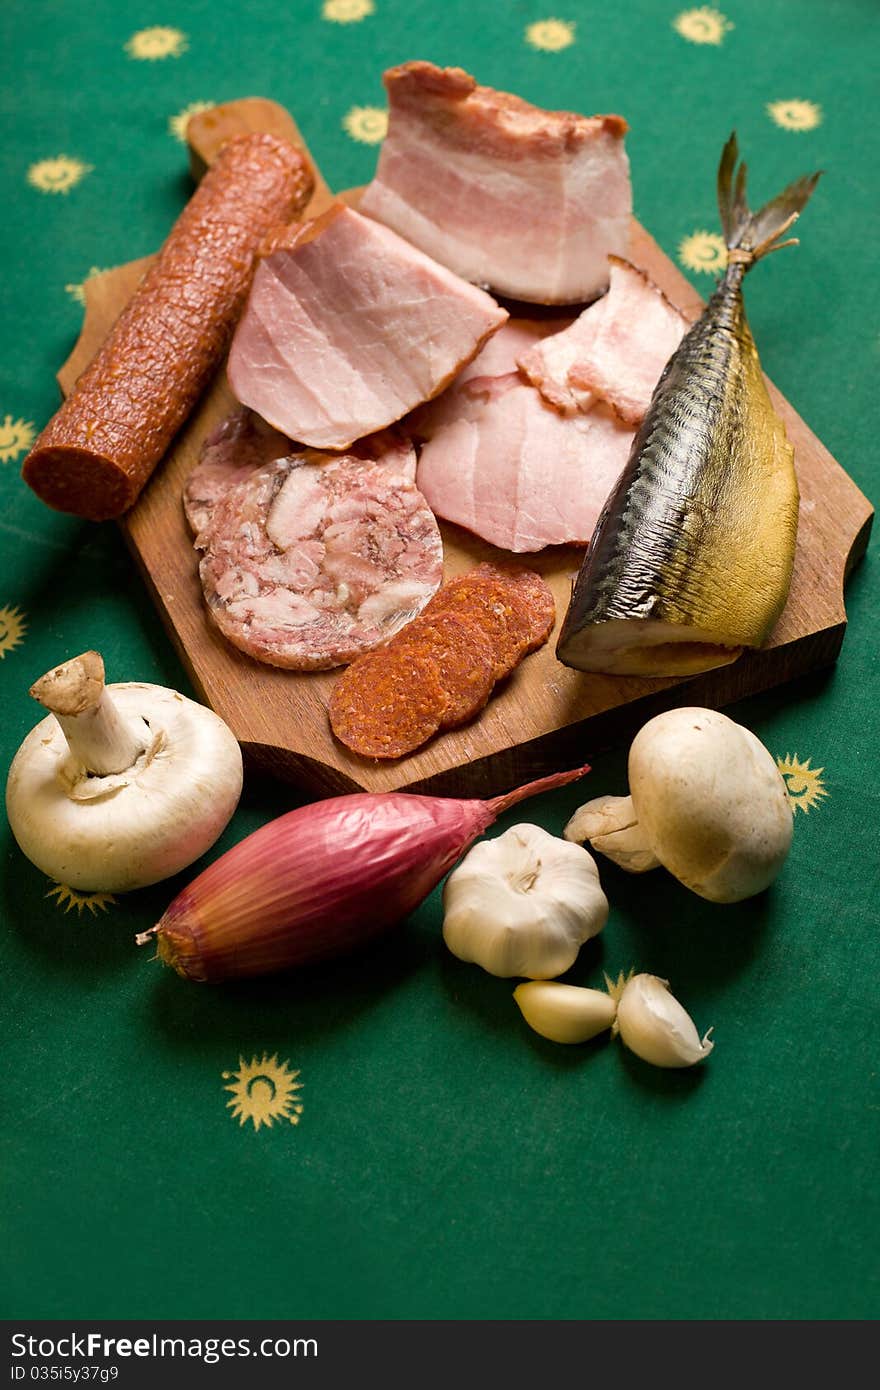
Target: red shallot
[{"x": 322, "y": 879}]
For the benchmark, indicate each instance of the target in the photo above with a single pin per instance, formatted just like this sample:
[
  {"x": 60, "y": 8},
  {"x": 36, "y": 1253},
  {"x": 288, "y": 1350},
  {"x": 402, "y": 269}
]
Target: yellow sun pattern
[
  {"x": 69, "y": 898},
  {"x": 702, "y": 25},
  {"x": 703, "y": 251},
  {"x": 58, "y": 174},
  {"x": 803, "y": 783},
  {"x": 264, "y": 1090},
  {"x": 367, "y": 124},
  {"x": 347, "y": 11},
  {"x": 795, "y": 115},
  {"x": 16, "y": 436},
  {"x": 550, "y": 35},
  {"x": 150, "y": 45},
  {"x": 78, "y": 291},
  {"x": 13, "y": 626},
  {"x": 177, "y": 124}
]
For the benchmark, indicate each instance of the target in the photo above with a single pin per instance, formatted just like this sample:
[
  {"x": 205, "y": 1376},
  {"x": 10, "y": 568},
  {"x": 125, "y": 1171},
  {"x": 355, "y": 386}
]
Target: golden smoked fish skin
[{"x": 692, "y": 557}]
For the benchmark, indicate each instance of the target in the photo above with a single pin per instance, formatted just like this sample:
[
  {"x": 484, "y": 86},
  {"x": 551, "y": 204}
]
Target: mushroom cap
[
  {"x": 112, "y": 834},
  {"x": 712, "y": 803}
]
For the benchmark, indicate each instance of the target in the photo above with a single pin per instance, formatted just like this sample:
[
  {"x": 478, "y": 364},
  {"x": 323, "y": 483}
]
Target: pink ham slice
[
  {"x": 614, "y": 352},
  {"x": 504, "y": 464},
  {"x": 314, "y": 559},
  {"x": 526, "y": 201},
  {"x": 348, "y": 327}
]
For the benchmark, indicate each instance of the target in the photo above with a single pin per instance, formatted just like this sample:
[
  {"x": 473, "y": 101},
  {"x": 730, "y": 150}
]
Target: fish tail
[{"x": 751, "y": 235}]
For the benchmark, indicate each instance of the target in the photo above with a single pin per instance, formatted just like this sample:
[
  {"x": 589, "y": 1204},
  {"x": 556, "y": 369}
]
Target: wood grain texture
[{"x": 546, "y": 716}]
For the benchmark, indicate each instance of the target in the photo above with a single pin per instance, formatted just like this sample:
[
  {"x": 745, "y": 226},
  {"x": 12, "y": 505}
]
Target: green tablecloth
[{"x": 434, "y": 1158}]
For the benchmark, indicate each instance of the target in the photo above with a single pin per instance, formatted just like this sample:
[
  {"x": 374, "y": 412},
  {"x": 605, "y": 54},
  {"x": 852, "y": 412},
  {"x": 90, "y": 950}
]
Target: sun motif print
[
  {"x": 78, "y": 291},
  {"x": 795, "y": 115},
  {"x": 69, "y": 898},
  {"x": 550, "y": 35},
  {"x": 703, "y": 251},
  {"x": 13, "y": 626},
  {"x": 264, "y": 1090},
  {"x": 16, "y": 436},
  {"x": 177, "y": 124},
  {"x": 347, "y": 11},
  {"x": 150, "y": 45},
  {"x": 58, "y": 174},
  {"x": 367, "y": 124},
  {"x": 702, "y": 25},
  {"x": 803, "y": 783}
]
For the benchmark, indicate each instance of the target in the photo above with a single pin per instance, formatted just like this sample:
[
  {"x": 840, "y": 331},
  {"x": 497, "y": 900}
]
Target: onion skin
[{"x": 321, "y": 880}]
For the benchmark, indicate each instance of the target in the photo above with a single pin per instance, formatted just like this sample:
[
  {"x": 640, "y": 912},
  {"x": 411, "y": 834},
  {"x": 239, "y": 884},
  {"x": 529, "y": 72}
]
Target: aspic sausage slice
[
  {"x": 315, "y": 559},
  {"x": 97, "y": 452}
]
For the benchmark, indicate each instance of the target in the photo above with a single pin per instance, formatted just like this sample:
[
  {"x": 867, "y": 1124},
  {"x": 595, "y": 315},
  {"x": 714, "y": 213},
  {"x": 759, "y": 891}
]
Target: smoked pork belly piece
[
  {"x": 501, "y": 462},
  {"x": 527, "y": 202},
  {"x": 314, "y": 559},
  {"x": 348, "y": 327},
  {"x": 614, "y": 352}
]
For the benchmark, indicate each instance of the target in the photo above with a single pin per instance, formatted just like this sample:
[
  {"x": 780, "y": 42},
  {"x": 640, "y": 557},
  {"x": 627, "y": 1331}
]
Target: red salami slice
[
  {"x": 314, "y": 559},
  {"x": 388, "y": 703}
]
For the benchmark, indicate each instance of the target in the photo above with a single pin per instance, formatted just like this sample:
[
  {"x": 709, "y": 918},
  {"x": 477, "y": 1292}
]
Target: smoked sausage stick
[{"x": 97, "y": 452}]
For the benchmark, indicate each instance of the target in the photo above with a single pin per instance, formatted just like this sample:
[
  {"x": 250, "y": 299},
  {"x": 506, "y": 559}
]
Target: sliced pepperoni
[
  {"x": 536, "y": 593},
  {"x": 499, "y": 611},
  {"x": 463, "y": 656},
  {"x": 388, "y": 703}
]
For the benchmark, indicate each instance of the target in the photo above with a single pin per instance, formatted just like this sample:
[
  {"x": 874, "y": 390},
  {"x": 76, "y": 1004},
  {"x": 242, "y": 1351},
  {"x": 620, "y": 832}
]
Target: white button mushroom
[
  {"x": 122, "y": 785},
  {"x": 523, "y": 904},
  {"x": 706, "y": 799}
]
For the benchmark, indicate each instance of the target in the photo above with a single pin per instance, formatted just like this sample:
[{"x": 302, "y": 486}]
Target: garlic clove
[
  {"x": 565, "y": 1013},
  {"x": 611, "y": 826},
  {"x": 654, "y": 1026}
]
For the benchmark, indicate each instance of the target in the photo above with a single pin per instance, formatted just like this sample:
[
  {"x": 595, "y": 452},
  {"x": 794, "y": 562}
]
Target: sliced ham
[
  {"x": 314, "y": 559},
  {"x": 505, "y": 465},
  {"x": 526, "y": 201},
  {"x": 348, "y": 327},
  {"x": 513, "y": 340},
  {"x": 614, "y": 352}
]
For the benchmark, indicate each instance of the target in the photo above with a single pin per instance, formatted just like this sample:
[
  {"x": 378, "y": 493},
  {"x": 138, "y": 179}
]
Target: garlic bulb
[
  {"x": 523, "y": 904},
  {"x": 655, "y": 1027},
  {"x": 565, "y": 1013}
]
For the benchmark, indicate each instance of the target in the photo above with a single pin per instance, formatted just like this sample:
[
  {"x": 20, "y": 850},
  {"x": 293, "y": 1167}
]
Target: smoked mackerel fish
[{"x": 692, "y": 556}]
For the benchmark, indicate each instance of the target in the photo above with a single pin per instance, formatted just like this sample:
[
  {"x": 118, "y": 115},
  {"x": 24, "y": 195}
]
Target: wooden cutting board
[{"x": 546, "y": 716}]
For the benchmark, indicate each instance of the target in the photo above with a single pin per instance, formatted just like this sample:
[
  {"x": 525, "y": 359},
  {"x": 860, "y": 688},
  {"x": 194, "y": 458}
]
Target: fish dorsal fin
[{"x": 751, "y": 235}]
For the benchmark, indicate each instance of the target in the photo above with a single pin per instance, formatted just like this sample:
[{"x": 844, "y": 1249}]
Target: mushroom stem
[
  {"x": 611, "y": 826},
  {"x": 98, "y": 736}
]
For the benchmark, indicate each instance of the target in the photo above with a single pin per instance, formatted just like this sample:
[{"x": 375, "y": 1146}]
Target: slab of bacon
[
  {"x": 348, "y": 327},
  {"x": 525, "y": 201}
]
